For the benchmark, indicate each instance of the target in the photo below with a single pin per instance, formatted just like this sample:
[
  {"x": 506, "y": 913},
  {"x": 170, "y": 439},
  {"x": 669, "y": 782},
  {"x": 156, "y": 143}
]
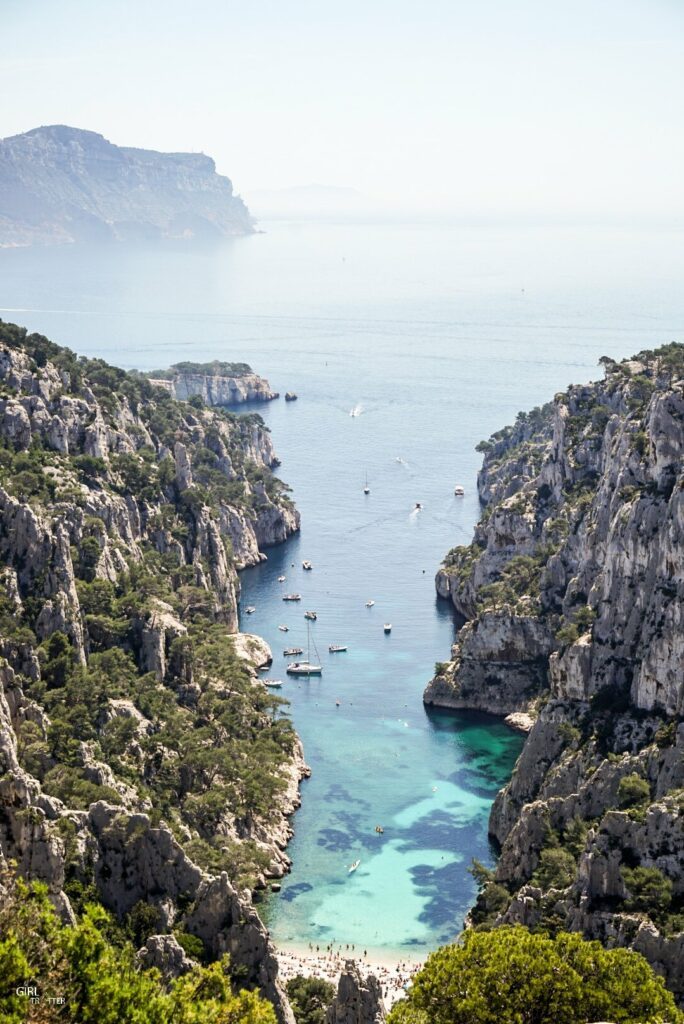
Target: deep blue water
[{"x": 435, "y": 337}]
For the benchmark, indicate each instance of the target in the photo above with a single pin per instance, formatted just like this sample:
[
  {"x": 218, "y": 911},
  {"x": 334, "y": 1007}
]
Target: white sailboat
[
  {"x": 306, "y": 668},
  {"x": 366, "y": 488}
]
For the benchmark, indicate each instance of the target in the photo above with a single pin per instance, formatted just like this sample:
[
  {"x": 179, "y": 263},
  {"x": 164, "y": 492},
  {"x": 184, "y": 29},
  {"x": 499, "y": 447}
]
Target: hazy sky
[{"x": 478, "y": 106}]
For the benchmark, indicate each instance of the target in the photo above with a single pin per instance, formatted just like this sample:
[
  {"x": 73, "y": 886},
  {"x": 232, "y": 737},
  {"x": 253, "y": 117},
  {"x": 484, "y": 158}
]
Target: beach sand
[{"x": 328, "y": 963}]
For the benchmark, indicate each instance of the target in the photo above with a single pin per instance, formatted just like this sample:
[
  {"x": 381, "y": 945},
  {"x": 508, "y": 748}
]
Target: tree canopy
[{"x": 513, "y": 976}]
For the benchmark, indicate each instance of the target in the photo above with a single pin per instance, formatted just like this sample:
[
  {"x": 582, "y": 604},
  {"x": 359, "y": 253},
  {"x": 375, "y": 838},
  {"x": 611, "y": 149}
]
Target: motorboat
[
  {"x": 292, "y": 652},
  {"x": 336, "y": 648},
  {"x": 250, "y": 609},
  {"x": 307, "y": 565},
  {"x": 284, "y": 629},
  {"x": 369, "y": 604},
  {"x": 312, "y": 616},
  {"x": 290, "y": 396},
  {"x": 459, "y": 491},
  {"x": 418, "y": 506},
  {"x": 281, "y": 579},
  {"x": 379, "y": 829},
  {"x": 272, "y": 683},
  {"x": 387, "y": 627},
  {"x": 353, "y": 867},
  {"x": 292, "y": 597}
]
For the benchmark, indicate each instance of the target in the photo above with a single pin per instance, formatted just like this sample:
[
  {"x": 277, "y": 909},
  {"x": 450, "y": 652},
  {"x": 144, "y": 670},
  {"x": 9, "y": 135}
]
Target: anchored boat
[
  {"x": 306, "y": 668},
  {"x": 292, "y": 597},
  {"x": 336, "y": 648},
  {"x": 312, "y": 616},
  {"x": 292, "y": 652}
]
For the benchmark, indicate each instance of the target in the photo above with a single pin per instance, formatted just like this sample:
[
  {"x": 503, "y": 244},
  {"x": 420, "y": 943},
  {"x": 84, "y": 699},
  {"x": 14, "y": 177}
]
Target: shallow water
[{"x": 434, "y": 337}]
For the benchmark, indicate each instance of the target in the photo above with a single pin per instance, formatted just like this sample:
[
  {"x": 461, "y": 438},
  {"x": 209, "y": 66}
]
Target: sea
[{"x": 406, "y": 345}]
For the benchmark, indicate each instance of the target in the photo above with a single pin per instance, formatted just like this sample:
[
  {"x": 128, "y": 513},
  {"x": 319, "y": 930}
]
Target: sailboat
[
  {"x": 366, "y": 488},
  {"x": 306, "y": 668}
]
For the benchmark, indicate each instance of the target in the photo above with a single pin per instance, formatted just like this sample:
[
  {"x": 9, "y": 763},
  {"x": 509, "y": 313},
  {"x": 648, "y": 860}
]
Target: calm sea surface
[{"x": 433, "y": 338}]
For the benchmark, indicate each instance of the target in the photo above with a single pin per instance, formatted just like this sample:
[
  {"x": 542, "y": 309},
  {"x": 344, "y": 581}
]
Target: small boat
[
  {"x": 379, "y": 829},
  {"x": 250, "y": 609},
  {"x": 354, "y": 866},
  {"x": 292, "y": 652},
  {"x": 290, "y": 396},
  {"x": 307, "y": 565},
  {"x": 281, "y": 579},
  {"x": 366, "y": 488},
  {"x": 284, "y": 629},
  {"x": 292, "y": 597},
  {"x": 338, "y": 703},
  {"x": 369, "y": 604},
  {"x": 336, "y": 648},
  {"x": 312, "y": 616},
  {"x": 418, "y": 506},
  {"x": 387, "y": 627},
  {"x": 459, "y": 491},
  {"x": 273, "y": 683}
]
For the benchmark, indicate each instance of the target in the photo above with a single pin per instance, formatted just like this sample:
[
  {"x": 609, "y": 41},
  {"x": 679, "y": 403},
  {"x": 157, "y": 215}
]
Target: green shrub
[{"x": 633, "y": 791}]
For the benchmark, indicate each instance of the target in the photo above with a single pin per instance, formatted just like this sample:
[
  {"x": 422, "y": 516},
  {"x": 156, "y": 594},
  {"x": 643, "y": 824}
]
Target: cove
[{"x": 435, "y": 335}]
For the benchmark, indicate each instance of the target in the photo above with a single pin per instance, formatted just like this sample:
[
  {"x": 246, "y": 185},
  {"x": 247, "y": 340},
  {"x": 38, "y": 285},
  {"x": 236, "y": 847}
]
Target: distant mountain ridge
[{"x": 60, "y": 184}]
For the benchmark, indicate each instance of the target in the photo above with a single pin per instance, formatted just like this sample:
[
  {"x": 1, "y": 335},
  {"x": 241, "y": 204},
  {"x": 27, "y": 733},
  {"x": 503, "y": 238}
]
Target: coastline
[{"x": 393, "y": 971}]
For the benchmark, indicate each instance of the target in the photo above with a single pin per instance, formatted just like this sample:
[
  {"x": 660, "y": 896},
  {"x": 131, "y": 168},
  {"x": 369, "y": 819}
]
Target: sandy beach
[{"x": 328, "y": 962}]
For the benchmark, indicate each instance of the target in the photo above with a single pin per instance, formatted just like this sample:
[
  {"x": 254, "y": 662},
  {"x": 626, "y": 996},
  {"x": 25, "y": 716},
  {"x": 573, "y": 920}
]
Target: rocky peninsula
[
  {"x": 142, "y": 763},
  {"x": 216, "y": 383},
  {"x": 63, "y": 185},
  {"x": 572, "y": 599}
]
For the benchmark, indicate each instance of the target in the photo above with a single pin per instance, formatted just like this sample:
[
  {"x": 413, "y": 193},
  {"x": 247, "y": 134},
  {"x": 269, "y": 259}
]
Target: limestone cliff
[
  {"x": 63, "y": 185},
  {"x": 141, "y": 760},
  {"x": 216, "y": 383},
  {"x": 573, "y": 595}
]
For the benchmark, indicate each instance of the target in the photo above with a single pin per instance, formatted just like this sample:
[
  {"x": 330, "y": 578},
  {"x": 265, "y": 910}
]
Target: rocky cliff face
[
  {"x": 61, "y": 184},
  {"x": 215, "y": 383},
  {"x": 141, "y": 760},
  {"x": 573, "y": 592}
]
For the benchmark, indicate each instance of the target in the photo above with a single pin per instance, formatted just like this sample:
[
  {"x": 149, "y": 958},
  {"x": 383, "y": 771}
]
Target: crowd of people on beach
[{"x": 328, "y": 962}]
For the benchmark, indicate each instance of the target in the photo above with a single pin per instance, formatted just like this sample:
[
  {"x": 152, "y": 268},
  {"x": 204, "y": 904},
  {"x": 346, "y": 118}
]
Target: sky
[{"x": 492, "y": 108}]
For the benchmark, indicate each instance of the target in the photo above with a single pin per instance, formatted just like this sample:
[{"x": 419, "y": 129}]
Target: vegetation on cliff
[
  {"x": 130, "y": 720},
  {"x": 88, "y": 974},
  {"x": 572, "y": 591}
]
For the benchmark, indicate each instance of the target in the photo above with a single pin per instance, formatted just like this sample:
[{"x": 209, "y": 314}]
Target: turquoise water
[{"x": 435, "y": 337}]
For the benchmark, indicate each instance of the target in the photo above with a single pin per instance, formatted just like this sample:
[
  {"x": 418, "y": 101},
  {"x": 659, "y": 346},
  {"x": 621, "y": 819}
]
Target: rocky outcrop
[
  {"x": 573, "y": 594},
  {"x": 166, "y": 954},
  {"x": 215, "y": 388},
  {"x": 61, "y": 185},
  {"x": 358, "y": 999}
]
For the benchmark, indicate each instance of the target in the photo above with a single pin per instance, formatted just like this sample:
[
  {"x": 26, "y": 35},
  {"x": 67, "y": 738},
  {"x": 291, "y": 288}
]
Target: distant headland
[{"x": 64, "y": 185}]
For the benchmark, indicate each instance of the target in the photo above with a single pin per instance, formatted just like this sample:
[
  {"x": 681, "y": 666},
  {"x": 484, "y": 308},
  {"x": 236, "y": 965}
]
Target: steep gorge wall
[
  {"x": 127, "y": 697},
  {"x": 573, "y": 592}
]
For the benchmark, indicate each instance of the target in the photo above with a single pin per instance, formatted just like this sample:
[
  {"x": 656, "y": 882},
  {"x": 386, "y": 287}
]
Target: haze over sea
[{"x": 434, "y": 336}]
